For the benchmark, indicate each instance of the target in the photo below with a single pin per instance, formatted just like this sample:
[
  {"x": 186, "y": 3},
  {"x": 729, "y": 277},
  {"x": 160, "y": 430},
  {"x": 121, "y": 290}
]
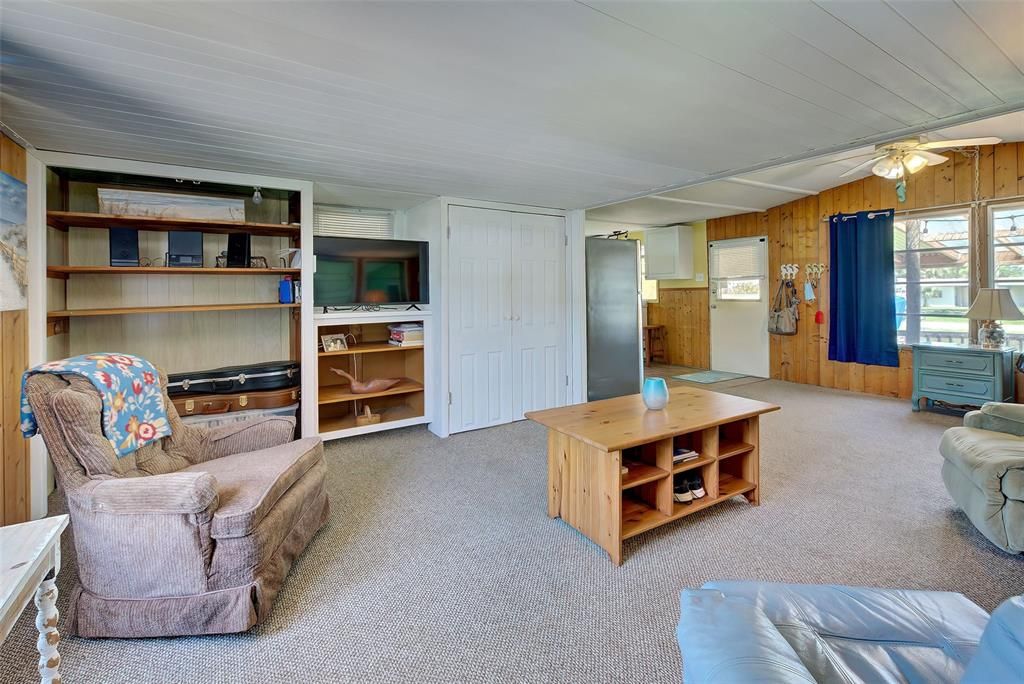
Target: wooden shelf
[
  {"x": 727, "y": 449},
  {"x": 638, "y": 517},
  {"x": 63, "y": 272},
  {"x": 368, "y": 348},
  {"x": 389, "y": 415},
  {"x": 690, "y": 465},
  {"x": 332, "y": 394},
  {"x": 73, "y": 313},
  {"x": 730, "y": 485},
  {"x": 63, "y": 220},
  {"x": 641, "y": 473}
]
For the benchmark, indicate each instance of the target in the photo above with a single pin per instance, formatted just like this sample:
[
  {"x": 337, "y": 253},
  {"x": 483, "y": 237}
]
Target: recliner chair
[
  {"x": 983, "y": 470},
  {"x": 191, "y": 535}
]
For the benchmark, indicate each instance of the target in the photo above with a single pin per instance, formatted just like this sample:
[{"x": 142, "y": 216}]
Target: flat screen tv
[{"x": 365, "y": 272}]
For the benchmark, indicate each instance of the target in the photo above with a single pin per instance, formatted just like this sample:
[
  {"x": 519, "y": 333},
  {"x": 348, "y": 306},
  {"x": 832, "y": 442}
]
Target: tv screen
[{"x": 359, "y": 271}]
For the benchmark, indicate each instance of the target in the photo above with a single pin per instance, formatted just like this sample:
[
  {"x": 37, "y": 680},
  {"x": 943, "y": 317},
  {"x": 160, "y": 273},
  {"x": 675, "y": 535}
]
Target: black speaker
[
  {"x": 124, "y": 247},
  {"x": 238, "y": 250},
  {"x": 185, "y": 249}
]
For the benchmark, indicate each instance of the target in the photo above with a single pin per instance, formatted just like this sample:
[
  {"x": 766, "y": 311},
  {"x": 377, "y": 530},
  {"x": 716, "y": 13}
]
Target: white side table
[{"x": 29, "y": 563}]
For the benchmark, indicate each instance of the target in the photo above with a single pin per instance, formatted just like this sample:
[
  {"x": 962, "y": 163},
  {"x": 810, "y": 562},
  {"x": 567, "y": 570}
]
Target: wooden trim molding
[{"x": 15, "y": 500}]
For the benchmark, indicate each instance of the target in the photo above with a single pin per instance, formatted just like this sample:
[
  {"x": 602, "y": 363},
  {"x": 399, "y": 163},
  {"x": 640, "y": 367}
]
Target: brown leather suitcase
[{"x": 206, "y": 404}]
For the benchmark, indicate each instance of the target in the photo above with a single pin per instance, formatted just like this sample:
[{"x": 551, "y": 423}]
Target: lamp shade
[{"x": 994, "y": 304}]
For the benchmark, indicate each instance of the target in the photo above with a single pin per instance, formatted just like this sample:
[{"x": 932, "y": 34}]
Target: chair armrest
[
  {"x": 174, "y": 493},
  {"x": 998, "y": 417},
  {"x": 729, "y": 639},
  {"x": 250, "y": 435},
  {"x": 144, "y": 537}
]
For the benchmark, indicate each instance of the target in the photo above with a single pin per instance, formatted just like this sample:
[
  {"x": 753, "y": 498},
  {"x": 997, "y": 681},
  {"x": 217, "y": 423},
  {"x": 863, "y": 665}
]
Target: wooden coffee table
[{"x": 589, "y": 443}]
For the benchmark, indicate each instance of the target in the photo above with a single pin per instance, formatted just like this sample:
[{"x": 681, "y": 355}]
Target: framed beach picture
[{"x": 13, "y": 243}]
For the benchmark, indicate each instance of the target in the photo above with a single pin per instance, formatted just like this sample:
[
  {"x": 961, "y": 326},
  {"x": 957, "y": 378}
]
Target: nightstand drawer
[
  {"x": 961, "y": 363},
  {"x": 966, "y": 385}
]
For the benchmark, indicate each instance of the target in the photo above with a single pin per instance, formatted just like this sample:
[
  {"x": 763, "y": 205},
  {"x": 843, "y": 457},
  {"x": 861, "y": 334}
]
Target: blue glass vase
[{"x": 655, "y": 393}]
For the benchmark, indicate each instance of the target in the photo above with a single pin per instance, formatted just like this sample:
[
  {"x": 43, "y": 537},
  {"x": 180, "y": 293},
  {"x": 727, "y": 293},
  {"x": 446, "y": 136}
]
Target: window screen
[{"x": 337, "y": 221}]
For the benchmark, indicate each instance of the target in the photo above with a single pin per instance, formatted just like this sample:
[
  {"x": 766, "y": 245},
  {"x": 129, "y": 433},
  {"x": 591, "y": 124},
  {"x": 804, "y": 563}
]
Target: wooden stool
[{"x": 654, "y": 345}]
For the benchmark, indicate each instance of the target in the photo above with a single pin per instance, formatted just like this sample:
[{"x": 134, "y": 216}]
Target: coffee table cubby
[{"x": 727, "y": 463}]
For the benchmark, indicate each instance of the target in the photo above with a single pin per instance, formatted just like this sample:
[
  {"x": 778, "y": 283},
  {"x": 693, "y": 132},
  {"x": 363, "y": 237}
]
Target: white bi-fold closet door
[{"x": 506, "y": 313}]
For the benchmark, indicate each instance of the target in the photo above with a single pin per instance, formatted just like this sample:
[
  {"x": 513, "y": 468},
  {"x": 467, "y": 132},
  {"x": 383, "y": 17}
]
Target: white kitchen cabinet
[{"x": 668, "y": 253}]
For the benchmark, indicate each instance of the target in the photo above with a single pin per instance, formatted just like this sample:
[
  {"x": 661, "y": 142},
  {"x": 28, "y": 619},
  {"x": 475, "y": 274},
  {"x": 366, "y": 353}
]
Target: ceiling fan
[{"x": 896, "y": 160}]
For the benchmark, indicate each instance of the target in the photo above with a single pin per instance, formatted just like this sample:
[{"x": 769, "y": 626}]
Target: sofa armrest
[
  {"x": 998, "y": 417},
  {"x": 180, "y": 493},
  {"x": 1000, "y": 654},
  {"x": 250, "y": 435},
  {"x": 729, "y": 639}
]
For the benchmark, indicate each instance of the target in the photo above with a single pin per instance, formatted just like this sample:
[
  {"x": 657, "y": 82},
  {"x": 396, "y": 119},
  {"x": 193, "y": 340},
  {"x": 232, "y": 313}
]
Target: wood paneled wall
[
  {"x": 797, "y": 233},
  {"x": 684, "y": 313},
  {"x": 15, "y": 504}
]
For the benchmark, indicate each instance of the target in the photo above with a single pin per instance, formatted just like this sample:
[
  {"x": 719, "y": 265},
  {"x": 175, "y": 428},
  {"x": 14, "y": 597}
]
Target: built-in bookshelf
[
  {"x": 181, "y": 318},
  {"x": 369, "y": 355}
]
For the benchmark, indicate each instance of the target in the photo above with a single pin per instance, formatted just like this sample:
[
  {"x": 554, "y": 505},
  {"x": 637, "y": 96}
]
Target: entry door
[
  {"x": 538, "y": 313},
  {"x": 739, "y": 299},
  {"x": 480, "y": 318}
]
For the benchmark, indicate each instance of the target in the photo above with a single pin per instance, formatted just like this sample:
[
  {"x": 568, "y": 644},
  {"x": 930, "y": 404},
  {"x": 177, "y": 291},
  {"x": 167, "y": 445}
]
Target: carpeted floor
[{"x": 439, "y": 563}]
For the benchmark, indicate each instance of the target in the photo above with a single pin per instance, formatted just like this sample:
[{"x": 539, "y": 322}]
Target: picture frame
[{"x": 335, "y": 342}]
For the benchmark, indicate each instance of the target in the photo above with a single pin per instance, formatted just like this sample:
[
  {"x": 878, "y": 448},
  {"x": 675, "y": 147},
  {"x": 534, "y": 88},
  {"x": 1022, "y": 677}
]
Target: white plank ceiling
[{"x": 560, "y": 104}]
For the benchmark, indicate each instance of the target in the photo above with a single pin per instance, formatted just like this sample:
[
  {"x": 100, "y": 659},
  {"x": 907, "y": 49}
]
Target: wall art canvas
[
  {"x": 169, "y": 205},
  {"x": 13, "y": 243}
]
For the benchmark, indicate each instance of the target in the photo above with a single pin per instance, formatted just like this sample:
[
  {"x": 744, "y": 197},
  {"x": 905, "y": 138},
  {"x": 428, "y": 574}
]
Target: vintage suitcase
[
  {"x": 206, "y": 404},
  {"x": 236, "y": 379}
]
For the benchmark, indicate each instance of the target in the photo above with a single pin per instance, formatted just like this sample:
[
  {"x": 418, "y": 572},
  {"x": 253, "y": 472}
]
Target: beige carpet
[{"x": 439, "y": 563}]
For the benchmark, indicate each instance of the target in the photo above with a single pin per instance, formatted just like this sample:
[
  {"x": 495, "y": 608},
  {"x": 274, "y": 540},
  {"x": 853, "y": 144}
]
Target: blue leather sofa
[{"x": 763, "y": 632}]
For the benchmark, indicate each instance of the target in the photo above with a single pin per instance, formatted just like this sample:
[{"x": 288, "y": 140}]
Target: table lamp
[{"x": 991, "y": 306}]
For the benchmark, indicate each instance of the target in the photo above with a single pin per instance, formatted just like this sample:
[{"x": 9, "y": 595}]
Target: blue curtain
[{"x": 862, "y": 324}]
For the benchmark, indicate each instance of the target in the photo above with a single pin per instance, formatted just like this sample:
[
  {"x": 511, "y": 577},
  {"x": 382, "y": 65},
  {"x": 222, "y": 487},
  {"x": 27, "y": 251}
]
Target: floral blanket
[{"x": 133, "y": 405}]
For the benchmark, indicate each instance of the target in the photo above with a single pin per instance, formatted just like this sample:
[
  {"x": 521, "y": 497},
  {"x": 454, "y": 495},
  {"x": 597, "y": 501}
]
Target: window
[
  {"x": 932, "y": 260},
  {"x": 737, "y": 269},
  {"x": 338, "y": 221},
  {"x": 648, "y": 288},
  {"x": 1008, "y": 262}
]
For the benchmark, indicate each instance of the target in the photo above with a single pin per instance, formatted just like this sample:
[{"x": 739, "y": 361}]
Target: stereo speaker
[
  {"x": 124, "y": 247},
  {"x": 238, "y": 250}
]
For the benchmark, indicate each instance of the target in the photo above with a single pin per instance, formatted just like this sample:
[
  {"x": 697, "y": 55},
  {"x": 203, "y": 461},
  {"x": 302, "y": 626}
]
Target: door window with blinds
[
  {"x": 932, "y": 254},
  {"x": 337, "y": 221},
  {"x": 737, "y": 269}
]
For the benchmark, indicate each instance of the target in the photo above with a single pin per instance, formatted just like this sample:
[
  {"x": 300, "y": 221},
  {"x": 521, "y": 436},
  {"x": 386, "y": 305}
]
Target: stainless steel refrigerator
[{"x": 614, "y": 347}]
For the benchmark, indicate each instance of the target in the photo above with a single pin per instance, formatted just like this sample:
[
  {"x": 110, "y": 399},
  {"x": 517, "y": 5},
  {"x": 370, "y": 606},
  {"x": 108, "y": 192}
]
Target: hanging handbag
[{"x": 784, "y": 314}]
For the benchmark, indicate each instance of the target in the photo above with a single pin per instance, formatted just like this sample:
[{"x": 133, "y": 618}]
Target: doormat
[{"x": 708, "y": 377}]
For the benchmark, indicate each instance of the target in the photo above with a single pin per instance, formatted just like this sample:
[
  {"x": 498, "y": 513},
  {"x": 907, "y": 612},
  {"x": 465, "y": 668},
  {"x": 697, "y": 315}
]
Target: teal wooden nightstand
[{"x": 962, "y": 374}]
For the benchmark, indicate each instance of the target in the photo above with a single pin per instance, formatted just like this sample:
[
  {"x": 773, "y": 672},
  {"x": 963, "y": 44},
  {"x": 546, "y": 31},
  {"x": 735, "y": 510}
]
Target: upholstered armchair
[
  {"x": 983, "y": 469},
  {"x": 193, "y": 534}
]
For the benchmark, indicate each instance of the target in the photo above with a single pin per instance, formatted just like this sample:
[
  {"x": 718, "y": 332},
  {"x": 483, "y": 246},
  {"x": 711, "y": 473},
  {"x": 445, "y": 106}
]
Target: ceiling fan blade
[
  {"x": 963, "y": 142},
  {"x": 856, "y": 156},
  {"x": 933, "y": 159},
  {"x": 864, "y": 165}
]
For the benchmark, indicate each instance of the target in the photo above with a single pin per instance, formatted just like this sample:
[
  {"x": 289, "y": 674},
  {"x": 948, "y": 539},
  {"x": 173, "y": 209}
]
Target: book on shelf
[
  {"x": 406, "y": 343},
  {"x": 683, "y": 455}
]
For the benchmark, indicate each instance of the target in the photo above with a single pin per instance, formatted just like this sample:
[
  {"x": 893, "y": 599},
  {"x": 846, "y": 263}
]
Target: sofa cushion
[
  {"x": 1000, "y": 656},
  {"x": 862, "y": 634},
  {"x": 250, "y": 483}
]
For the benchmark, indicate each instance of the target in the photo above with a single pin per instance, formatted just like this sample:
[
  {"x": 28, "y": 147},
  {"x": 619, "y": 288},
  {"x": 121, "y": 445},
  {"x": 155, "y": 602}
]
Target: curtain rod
[{"x": 940, "y": 207}]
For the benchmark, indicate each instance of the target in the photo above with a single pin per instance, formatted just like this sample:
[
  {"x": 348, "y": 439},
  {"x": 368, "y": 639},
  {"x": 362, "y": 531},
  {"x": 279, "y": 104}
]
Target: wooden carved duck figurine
[{"x": 375, "y": 385}]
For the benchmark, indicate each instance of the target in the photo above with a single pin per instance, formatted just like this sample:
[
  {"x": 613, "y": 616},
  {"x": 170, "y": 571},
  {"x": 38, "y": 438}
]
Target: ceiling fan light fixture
[
  {"x": 914, "y": 162},
  {"x": 889, "y": 168}
]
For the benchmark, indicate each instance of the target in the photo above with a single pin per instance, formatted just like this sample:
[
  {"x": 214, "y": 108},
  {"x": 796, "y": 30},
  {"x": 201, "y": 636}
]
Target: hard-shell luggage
[
  {"x": 274, "y": 375},
  {"x": 206, "y": 404}
]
